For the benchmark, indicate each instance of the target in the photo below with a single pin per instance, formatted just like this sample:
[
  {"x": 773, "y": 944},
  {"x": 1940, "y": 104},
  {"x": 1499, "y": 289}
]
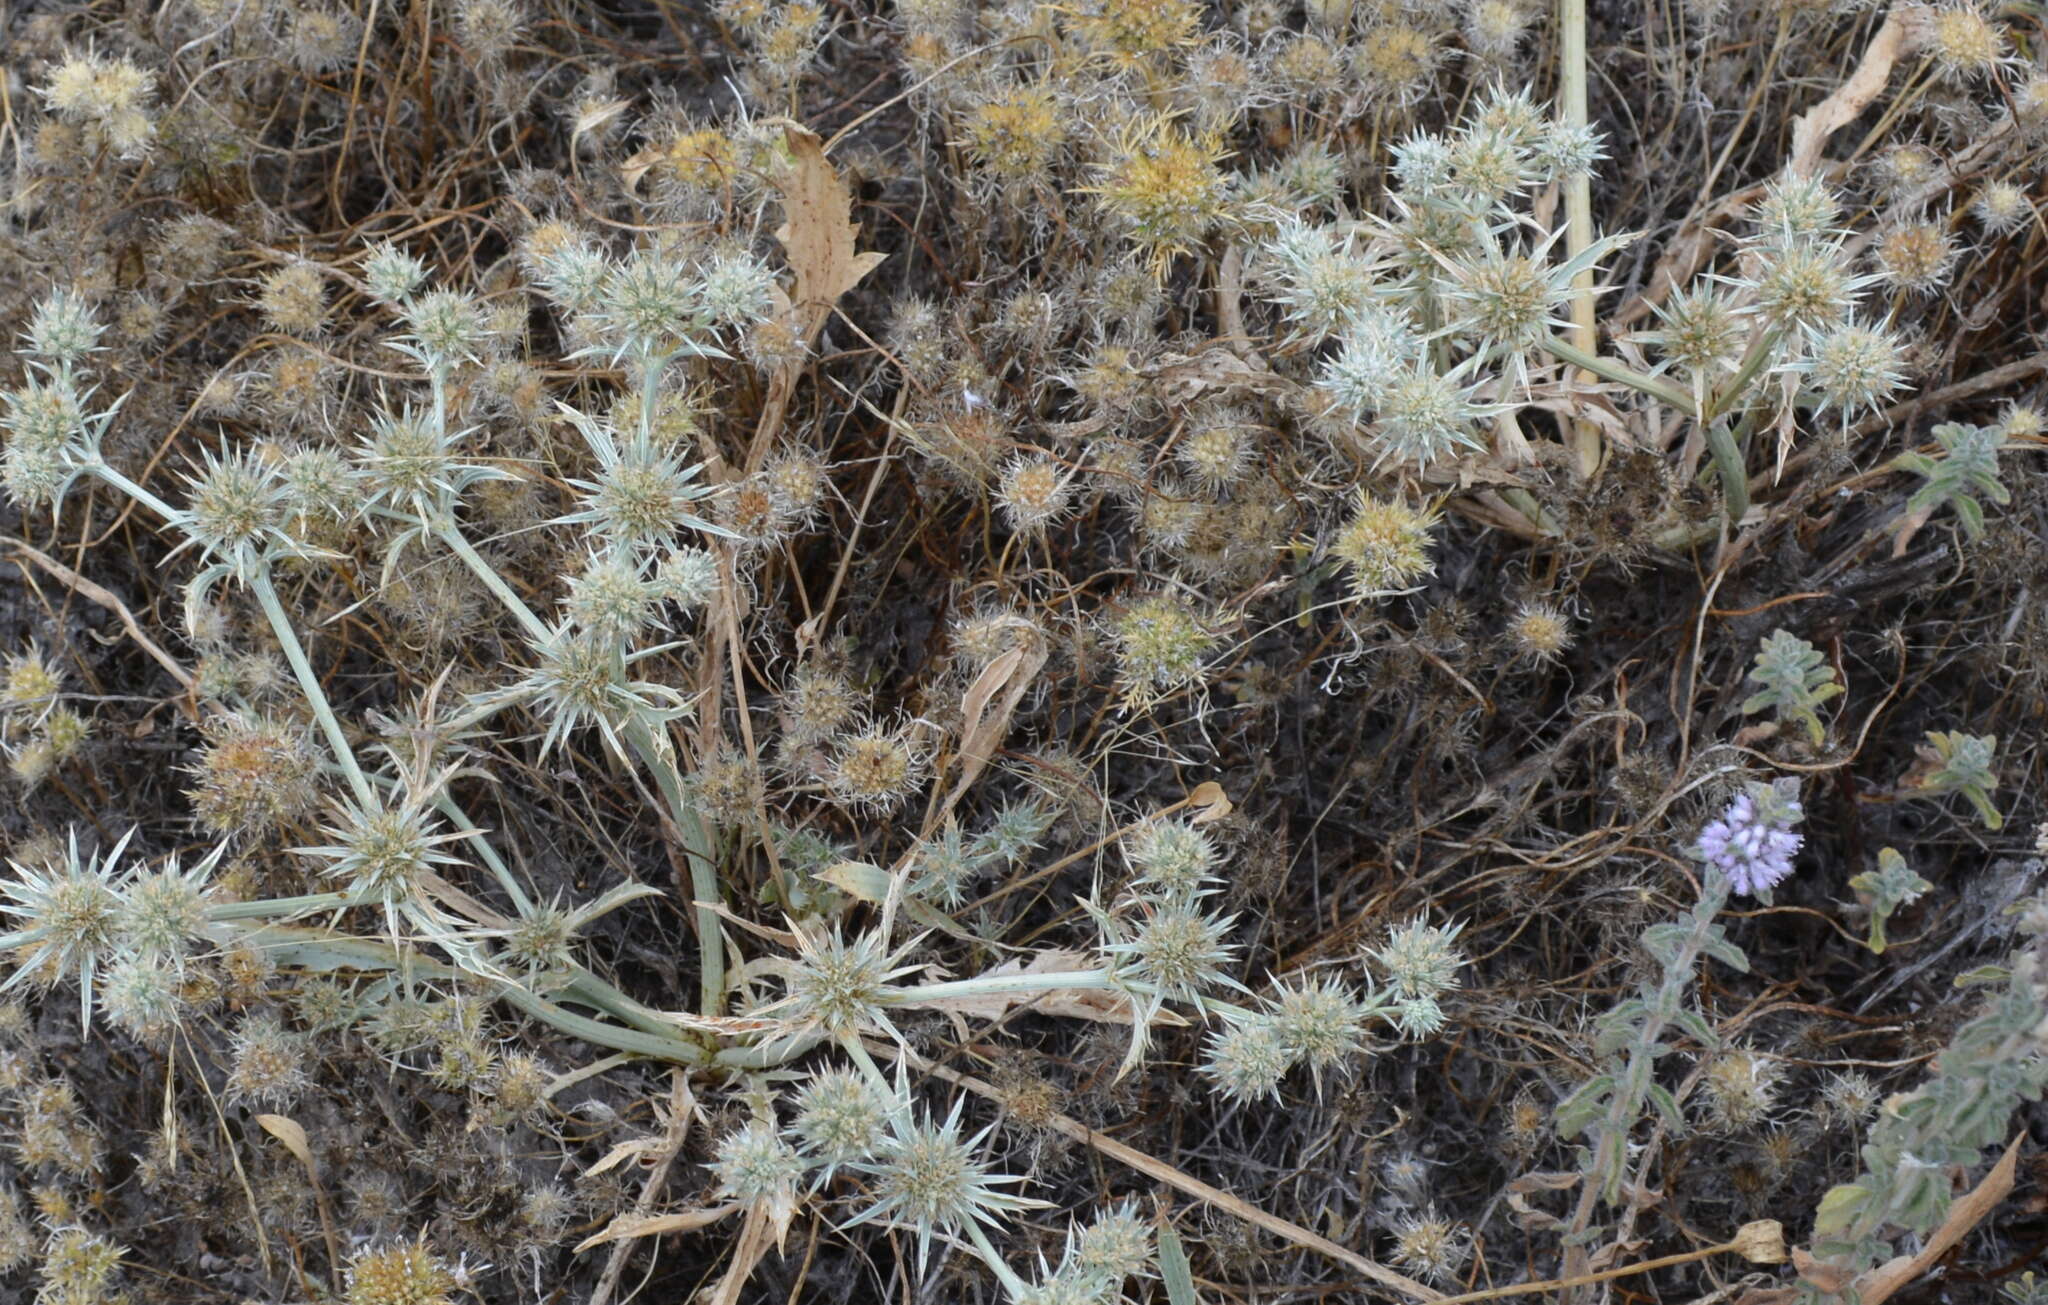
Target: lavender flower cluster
[{"x": 1754, "y": 841}]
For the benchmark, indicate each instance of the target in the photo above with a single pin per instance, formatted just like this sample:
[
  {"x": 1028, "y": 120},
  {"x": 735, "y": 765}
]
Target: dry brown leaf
[
  {"x": 724, "y": 1026},
  {"x": 819, "y": 235},
  {"x": 1182, "y": 378},
  {"x": 1013, "y": 674},
  {"x": 1761, "y": 1241},
  {"x": 292, "y": 1135},
  {"x": 1212, "y": 800},
  {"x": 653, "y": 1225},
  {"x": 1075, "y": 1003},
  {"x": 1963, "y": 1215},
  {"x": 746, "y": 1253},
  {"x": 624, "y": 1151},
  {"x": 1810, "y": 131}
]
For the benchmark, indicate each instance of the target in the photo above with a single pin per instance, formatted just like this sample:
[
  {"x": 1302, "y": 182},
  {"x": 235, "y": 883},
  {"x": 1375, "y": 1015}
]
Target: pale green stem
[
  {"x": 1726, "y": 396},
  {"x": 133, "y": 490},
  {"x": 320, "y": 951},
  {"x": 696, "y": 839},
  {"x": 1655, "y": 387},
  {"x": 447, "y": 806},
  {"x": 851, "y": 1044},
  {"x": 474, "y": 835},
  {"x": 1011, "y": 1282},
  {"x": 309, "y": 684},
  {"x": 1578, "y": 210},
  {"x": 483, "y": 570},
  {"x": 272, "y": 908},
  {"x": 989, "y": 985},
  {"x": 1729, "y": 465}
]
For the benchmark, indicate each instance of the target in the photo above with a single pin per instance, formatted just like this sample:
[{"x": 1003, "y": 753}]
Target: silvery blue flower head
[{"x": 1754, "y": 841}]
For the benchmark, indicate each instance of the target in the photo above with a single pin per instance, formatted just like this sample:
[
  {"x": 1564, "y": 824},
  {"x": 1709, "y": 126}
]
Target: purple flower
[{"x": 1751, "y": 845}]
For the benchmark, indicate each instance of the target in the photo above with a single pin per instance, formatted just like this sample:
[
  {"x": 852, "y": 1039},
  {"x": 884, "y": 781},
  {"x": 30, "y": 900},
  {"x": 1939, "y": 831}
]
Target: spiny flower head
[
  {"x": 411, "y": 463},
  {"x": 1172, "y": 855},
  {"x": 1795, "y": 209},
  {"x": 1566, "y": 149},
  {"x": 1376, "y": 343},
  {"x": 1163, "y": 188},
  {"x": 391, "y": 274},
  {"x": 319, "y": 486},
  {"x": 643, "y": 493},
  {"x": 2001, "y": 207},
  {"x": 1161, "y": 644},
  {"x": 877, "y": 769},
  {"x": 235, "y": 509},
  {"x": 1248, "y": 1058},
  {"x": 109, "y": 95},
  {"x": 841, "y": 1117},
  {"x": 757, "y": 1165},
  {"x": 688, "y": 577},
  {"x": 1539, "y": 630},
  {"x": 1034, "y": 492},
  {"x": 1852, "y": 367},
  {"x": 579, "y": 679},
  {"x": 408, "y": 1273},
  {"x": 1702, "y": 333},
  {"x": 1217, "y": 447},
  {"x": 1740, "y": 1089},
  {"x": 735, "y": 289},
  {"x": 1428, "y": 1244},
  {"x": 29, "y": 683},
  {"x": 1513, "y": 113},
  {"x": 1422, "y": 163},
  {"x": 1753, "y": 841},
  {"x": 1395, "y": 60},
  {"x": 1320, "y": 286},
  {"x": 293, "y": 299},
  {"x": 1509, "y": 299},
  {"x": 68, "y": 917},
  {"x": 839, "y": 986},
  {"x": 1421, "y": 959},
  {"x": 1916, "y": 257},
  {"x": 269, "y": 1063},
  {"x": 445, "y": 327},
  {"x": 64, "y": 328},
  {"x": 78, "y": 1268},
  {"x": 1179, "y": 949},
  {"x": 381, "y": 851},
  {"x": 42, "y": 415},
  {"x": 931, "y": 1178},
  {"x": 145, "y": 998},
  {"x": 165, "y": 909},
  {"x": 1321, "y": 1022},
  {"x": 648, "y": 305},
  {"x": 612, "y": 597},
  {"x": 1491, "y": 163},
  {"x": 1805, "y": 285},
  {"x": 1424, "y": 415},
  {"x": 1117, "y": 1244},
  {"x": 541, "y": 943},
  {"x": 1385, "y": 544},
  {"x": 1128, "y": 32},
  {"x": 1016, "y": 134},
  {"x": 570, "y": 268},
  {"x": 1966, "y": 42},
  {"x": 254, "y": 774}
]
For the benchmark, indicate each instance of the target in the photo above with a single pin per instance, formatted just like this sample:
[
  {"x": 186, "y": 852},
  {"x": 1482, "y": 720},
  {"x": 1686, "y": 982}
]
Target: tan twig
[
  {"x": 1216, "y": 1198},
  {"x": 87, "y": 589}
]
